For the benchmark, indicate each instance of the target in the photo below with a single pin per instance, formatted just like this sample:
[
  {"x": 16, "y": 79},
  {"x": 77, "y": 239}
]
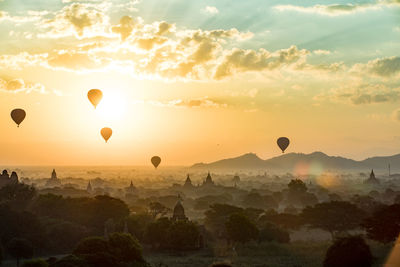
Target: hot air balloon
[
  {"x": 156, "y": 160},
  {"x": 283, "y": 143},
  {"x": 95, "y": 96},
  {"x": 106, "y": 133},
  {"x": 18, "y": 115}
]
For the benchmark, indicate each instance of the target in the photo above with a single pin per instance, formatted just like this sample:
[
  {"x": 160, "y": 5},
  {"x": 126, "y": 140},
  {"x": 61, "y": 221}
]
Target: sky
[{"x": 197, "y": 81}]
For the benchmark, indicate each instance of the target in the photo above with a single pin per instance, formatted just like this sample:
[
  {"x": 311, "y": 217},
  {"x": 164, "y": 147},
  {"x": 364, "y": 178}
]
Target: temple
[
  {"x": 5, "y": 179},
  {"x": 179, "y": 212},
  {"x": 53, "y": 181},
  {"x": 188, "y": 182},
  {"x": 372, "y": 179},
  {"x": 208, "y": 181}
]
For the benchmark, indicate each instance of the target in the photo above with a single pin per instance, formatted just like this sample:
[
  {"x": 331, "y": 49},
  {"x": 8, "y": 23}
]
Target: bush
[
  {"x": 271, "y": 232},
  {"x": 70, "y": 261},
  {"x": 220, "y": 264},
  {"x": 348, "y": 252},
  {"x": 35, "y": 263}
]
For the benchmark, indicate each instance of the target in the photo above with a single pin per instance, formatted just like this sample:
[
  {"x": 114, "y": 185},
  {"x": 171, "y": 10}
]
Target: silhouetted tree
[
  {"x": 70, "y": 261},
  {"x": 183, "y": 235},
  {"x": 284, "y": 220},
  {"x": 35, "y": 263},
  {"x": 221, "y": 264},
  {"x": 348, "y": 252},
  {"x": 384, "y": 224},
  {"x": 217, "y": 215},
  {"x": 240, "y": 229},
  {"x": 63, "y": 236},
  {"x": 125, "y": 248},
  {"x": 157, "y": 232},
  {"x": 335, "y": 216},
  {"x": 297, "y": 186},
  {"x": 119, "y": 250},
  {"x": 20, "y": 248},
  {"x": 270, "y": 232},
  {"x": 17, "y": 196},
  {"x": 156, "y": 208},
  {"x": 253, "y": 200},
  {"x": 137, "y": 224}
]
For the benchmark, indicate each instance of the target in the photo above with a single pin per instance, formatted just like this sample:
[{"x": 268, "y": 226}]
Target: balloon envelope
[
  {"x": 106, "y": 133},
  {"x": 18, "y": 115},
  {"x": 156, "y": 160},
  {"x": 95, "y": 96},
  {"x": 283, "y": 143}
]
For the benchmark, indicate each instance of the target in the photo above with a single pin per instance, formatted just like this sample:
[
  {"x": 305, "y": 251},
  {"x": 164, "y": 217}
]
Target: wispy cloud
[
  {"x": 19, "y": 85},
  {"x": 210, "y": 10},
  {"x": 331, "y": 10}
]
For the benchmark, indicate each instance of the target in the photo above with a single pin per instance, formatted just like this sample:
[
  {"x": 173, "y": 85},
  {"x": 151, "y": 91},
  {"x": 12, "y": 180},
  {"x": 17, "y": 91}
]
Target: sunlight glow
[{"x": 113, "y": 107}]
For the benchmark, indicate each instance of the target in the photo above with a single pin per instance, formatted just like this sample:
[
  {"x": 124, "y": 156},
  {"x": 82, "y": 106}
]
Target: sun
[{"x": 112, "y": 107}]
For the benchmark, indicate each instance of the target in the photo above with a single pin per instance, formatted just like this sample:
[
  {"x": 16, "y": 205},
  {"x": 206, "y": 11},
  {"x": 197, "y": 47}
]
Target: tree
[
  {"x": 63, "y": 235},
  {"x": 297, "y": 186},
  {"x": 384, "y": 224},
  {"x": 119, "y": 250},
  {"x": 271, "y": 232},
  {"x": 156, "y": 208},
  {"x": 1, "y": 254},
  {"x": 157, "y": 232},
  {"x": 253, "y": 200},
  {"x": 221, "y": 264},
  {"x": 17, "y": 196},
  {"x": 70, "y": 261},
  {"x": 91, "y": 245},
  {"x": 125, "y": 248},
  {"x": 137, "y": 224},
  {"x": 348, "y": 252},
  {"x": 20, "y": 248},
  {"x": 240, "y": 229},
  {"x": 217, "y": 215},
  {"x": 334, "y": 217},
  {"x": 183, "y": 235},
  {"x": 285, "y": 220},
  {"x": 35, "y": 263}
]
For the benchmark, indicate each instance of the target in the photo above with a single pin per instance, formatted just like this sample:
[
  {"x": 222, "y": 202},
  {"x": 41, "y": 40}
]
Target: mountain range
[{"x": 315, "y": 162}]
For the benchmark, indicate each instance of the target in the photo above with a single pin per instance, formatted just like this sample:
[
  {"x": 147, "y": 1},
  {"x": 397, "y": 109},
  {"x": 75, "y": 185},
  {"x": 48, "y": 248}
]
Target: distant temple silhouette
[
  {"x": 179, "y": 212},
  {"x": 372, "y": 179},
  {"x": 89, "y": 188},
  {"x": 208, "y": 181},
  {"x": 188, "y": 182},
  {"x": 53, "y": 181},
  {"x": 5, "y": 179},
  {"x": 130, "y": 189}
]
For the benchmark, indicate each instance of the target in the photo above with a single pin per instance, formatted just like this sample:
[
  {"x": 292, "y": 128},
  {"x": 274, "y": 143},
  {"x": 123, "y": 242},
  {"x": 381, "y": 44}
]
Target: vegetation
[{"x": 348, "y": 252}]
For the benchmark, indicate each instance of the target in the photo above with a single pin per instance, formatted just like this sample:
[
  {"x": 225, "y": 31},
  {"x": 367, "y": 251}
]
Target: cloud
[
  {"x": 322, "y": 52},
  {"x": 330, "y": 10},
  {"x": 22, "y": 60},
  {"x": 19, "y": 85},
  {"x": 203, "y": 102},
  {"x": 125, "y": 27},
  {"x": 79, "y": 19},
  {"x": 240, "y": 60},
  {"x": 75, "y": 60},
  {"x": 362, "y": 94},
  {"x": 385, "y": 67},
  {"x": 210, "y": 10}
]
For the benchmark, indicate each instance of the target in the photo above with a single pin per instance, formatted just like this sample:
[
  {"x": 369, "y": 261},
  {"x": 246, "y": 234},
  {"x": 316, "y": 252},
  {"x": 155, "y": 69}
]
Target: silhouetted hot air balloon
[
  {"x": 156, "y": 160},
  {"x": 106, "y": 133},
  {"x": 283, "y": 143},
  {"x": 95, "y": 96},
  {"x": 18, "y": 115}
]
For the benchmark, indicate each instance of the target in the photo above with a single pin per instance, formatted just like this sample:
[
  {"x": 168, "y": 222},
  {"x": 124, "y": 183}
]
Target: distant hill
[{"x": 315, "y": 161}]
